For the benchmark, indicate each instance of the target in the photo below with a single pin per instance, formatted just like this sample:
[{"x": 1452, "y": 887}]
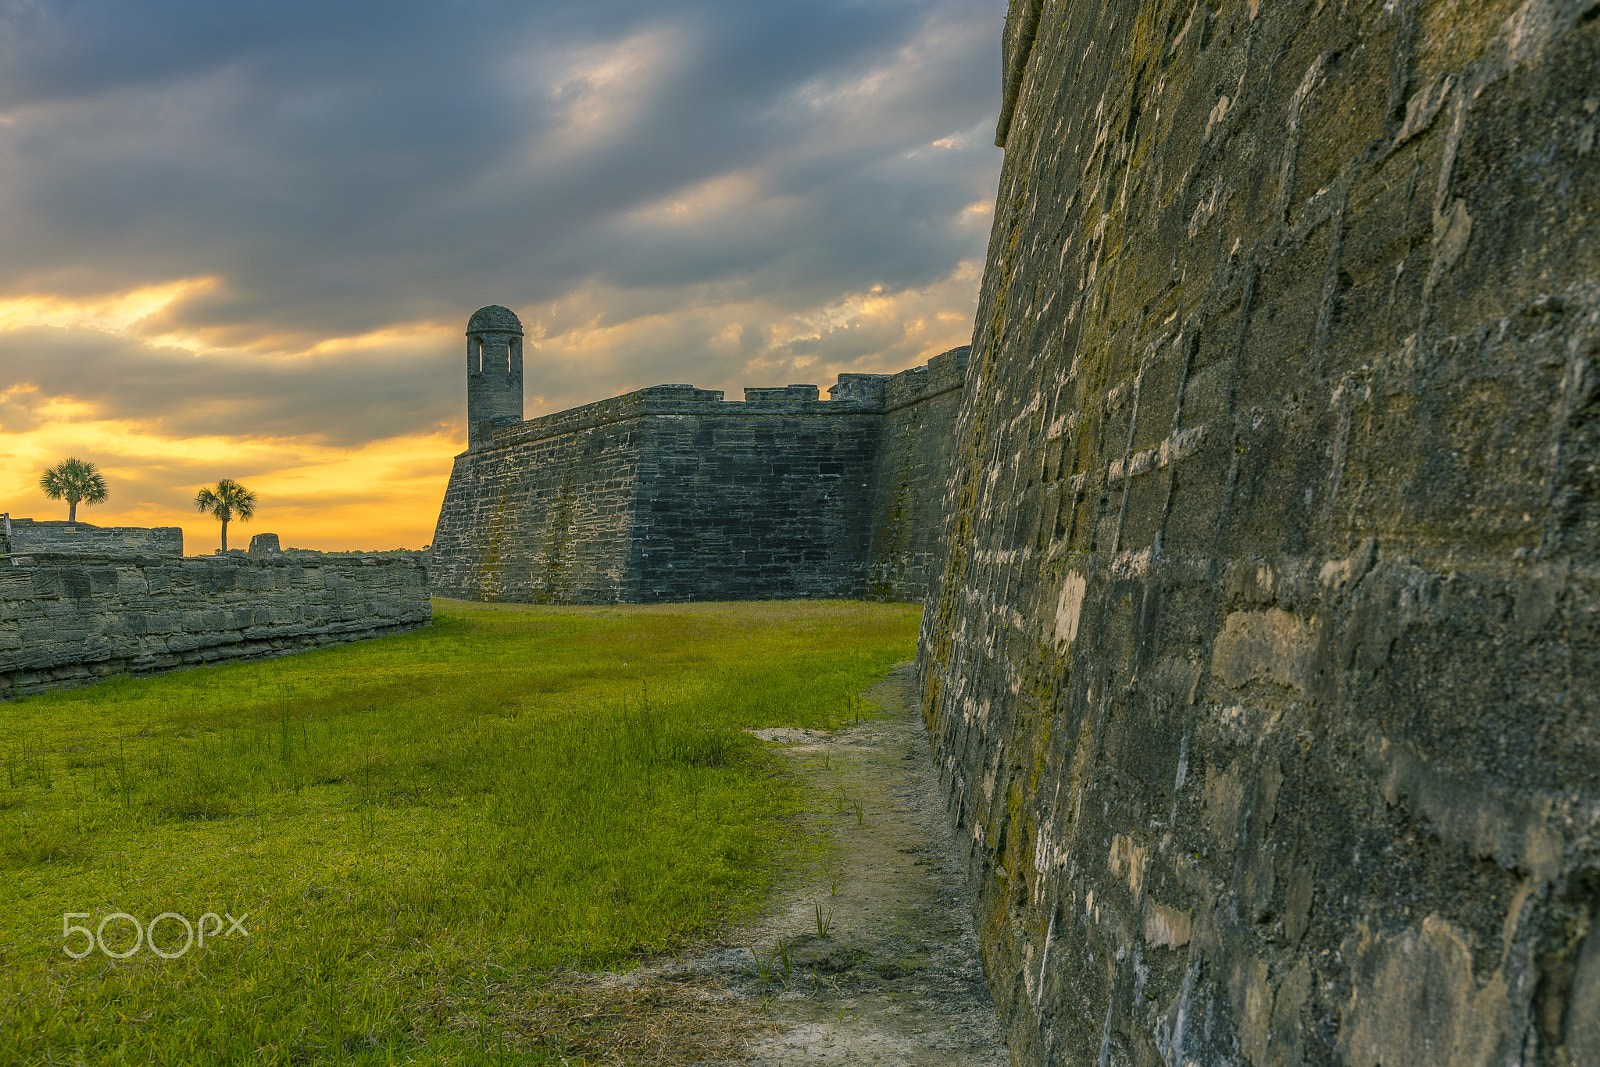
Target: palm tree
[
  {"x": 74, "y": 480},
  {"x": 227, "y": 500}
]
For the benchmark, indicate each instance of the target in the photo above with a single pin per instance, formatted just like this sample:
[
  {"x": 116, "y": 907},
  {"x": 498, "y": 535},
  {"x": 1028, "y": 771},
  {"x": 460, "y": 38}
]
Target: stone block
[{"x": 264, "y": 544}]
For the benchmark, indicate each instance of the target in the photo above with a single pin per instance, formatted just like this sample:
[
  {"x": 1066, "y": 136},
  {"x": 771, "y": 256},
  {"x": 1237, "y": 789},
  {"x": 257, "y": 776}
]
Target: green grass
[{"x": 418, "y": 827}]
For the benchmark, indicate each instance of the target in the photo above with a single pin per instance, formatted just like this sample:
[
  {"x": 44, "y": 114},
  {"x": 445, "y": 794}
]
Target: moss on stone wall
[{"x": 1263, "y": 671}]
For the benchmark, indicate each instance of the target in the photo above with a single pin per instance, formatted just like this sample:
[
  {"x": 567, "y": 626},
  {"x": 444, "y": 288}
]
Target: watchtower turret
[{"x": 494, "y": 372}]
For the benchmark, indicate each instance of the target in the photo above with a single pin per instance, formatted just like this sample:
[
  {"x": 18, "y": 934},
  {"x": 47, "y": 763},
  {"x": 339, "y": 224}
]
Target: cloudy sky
[{"x": 243, "y": 239}]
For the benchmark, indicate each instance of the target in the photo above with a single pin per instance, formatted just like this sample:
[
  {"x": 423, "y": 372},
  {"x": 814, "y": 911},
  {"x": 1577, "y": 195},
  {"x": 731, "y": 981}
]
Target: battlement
[
  {"x": 859, "y": 389},
  {"x": 786, "y": 394},
  {"x": 854, "y": 394}
]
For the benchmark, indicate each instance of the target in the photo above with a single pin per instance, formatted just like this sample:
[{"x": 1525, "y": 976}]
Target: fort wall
[
  {"x": 919, "y": 417},
  {"x": 33, "y": 535},
  {"x": 71, "y": 619},
  {"x": 543, "y": 515},
  {"x": 1262, "y": 674},
  {"x": 672, "y": 493},
  {"x": 754, "y": 500}
]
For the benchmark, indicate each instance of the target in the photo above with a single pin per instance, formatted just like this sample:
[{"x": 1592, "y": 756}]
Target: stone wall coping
[
  {"x": 25, "y": 535},
  {"x": 79, "y": 524}
]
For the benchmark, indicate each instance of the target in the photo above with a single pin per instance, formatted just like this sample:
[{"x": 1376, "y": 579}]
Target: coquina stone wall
[
  {"x": 671, "y": 494},
  {"x": 543, "y": 518},
  {"x": 914, "y": 451},
  {"x": 1263, "y": 670},
  {"x": 764, "y": 498},
  {"x": 72, "y": 619},
  {"x": 33, "y": 535}
]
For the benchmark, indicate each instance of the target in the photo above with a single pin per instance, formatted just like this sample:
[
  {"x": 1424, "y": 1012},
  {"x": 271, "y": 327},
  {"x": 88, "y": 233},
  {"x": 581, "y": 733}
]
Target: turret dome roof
[{"x": 495, "y": 319}]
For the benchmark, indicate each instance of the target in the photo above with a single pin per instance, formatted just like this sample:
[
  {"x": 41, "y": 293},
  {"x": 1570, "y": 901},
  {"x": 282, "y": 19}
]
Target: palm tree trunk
[
  {"x": 72, "y": 509},
  {"x": 224, "y": 536}
]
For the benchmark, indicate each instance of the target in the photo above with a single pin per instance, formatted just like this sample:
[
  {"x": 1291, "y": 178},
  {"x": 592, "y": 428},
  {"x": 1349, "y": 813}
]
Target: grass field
[{"x": 418, "y": 828}]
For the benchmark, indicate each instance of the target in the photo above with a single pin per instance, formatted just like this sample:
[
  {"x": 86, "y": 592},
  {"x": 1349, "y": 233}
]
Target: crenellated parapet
[{"x": 675, "y": 493}]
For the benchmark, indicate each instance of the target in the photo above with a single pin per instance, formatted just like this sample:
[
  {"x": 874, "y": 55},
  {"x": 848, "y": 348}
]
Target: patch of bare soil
[
  {"x": 867, "y": 957},
  {"x": 578, "y": 1019},
  {"x": 873, "y": 960}
]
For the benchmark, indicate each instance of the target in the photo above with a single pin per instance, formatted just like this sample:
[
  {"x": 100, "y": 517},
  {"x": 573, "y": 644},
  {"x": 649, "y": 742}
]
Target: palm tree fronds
[
  {"x": 227, "y": 500},
  {"x": 75, "y": 481}
]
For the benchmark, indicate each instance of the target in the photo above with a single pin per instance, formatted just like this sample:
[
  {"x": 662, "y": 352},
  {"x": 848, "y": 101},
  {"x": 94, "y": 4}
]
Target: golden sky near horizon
[{"x": 310, "y": 493}]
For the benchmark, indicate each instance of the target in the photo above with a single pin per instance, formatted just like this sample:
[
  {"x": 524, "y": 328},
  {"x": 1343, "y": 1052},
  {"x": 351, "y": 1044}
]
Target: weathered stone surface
[
  {"x": 33, "y": 535},
  {"x": 1263, "y": 671},
  {"x": 914, "y": 453},
  {"x": 672, "y": 494},
  {"x": 494, "y": 372},
  {"x": 264, "y": 544},
  {"x": 70, "y": 619}
]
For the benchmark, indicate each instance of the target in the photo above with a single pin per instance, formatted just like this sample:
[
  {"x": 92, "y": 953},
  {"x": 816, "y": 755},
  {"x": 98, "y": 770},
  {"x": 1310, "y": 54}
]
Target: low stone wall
[
  {"x": 73, "y": 619},
  {"x": 33, "y": 535}
]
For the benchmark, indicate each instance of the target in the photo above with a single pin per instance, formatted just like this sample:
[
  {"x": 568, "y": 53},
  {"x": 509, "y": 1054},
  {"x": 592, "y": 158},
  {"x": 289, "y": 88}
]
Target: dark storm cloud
[
  {"x": 342, "y": 399},
  {"x": 344, "y": 167}
]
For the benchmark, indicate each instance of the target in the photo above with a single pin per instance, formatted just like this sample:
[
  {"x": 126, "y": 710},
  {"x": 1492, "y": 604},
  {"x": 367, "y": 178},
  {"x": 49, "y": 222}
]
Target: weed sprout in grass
[
  {"x": 763, "y": 966},
  {"x": 492, "y": 795}
]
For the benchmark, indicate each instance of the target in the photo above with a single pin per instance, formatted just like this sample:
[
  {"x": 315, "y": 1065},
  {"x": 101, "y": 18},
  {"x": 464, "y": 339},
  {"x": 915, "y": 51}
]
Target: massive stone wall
[
  {"x": 544, "y": 514},
  {"x": 1263, "y": 671},
  {"x": 920, "y": 408},
  {"x": 672, "y": 494},
  {"x": 71, "y": 619},
  {"x": 32, "y": 535},
  {"x": 760, "y": 499}
]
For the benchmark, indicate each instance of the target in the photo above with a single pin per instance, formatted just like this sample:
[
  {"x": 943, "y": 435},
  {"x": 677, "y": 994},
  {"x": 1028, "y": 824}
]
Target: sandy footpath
[
  {"x": 897, "y": 979},
  {"x": 894, "y": 979}
]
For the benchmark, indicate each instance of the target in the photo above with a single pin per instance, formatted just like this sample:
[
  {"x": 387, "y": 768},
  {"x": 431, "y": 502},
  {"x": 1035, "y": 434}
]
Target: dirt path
[
  {"x": 894, "y": 978},
  {"x": 897, "y": 979}
]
